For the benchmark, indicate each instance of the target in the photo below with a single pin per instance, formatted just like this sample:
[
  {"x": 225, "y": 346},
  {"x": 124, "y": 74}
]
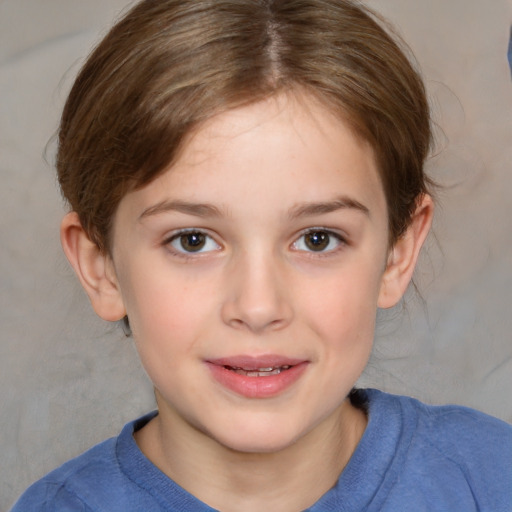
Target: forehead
[{"x": 286, "y": 149}]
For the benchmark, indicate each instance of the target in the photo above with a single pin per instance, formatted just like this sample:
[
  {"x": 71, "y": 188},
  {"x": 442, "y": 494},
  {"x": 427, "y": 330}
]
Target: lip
[{"x": 258, "y": 386}]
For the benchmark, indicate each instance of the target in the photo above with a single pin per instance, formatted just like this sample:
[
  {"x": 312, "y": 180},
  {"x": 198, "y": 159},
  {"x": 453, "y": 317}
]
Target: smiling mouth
[
  {"x": 257, "y": 377},
  {"x": 258, "y": 372}
]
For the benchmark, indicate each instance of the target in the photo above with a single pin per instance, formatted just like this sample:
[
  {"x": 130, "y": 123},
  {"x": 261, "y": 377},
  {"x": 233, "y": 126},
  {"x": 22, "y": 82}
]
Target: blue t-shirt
[{"x": 411, "y": 457}]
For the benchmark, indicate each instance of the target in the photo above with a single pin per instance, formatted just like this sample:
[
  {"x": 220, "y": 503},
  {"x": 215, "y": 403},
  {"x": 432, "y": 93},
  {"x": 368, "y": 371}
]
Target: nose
[{"x": 257, "y": 297}]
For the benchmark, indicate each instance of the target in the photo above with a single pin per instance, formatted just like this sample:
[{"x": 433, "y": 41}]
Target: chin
[
  {"x": 261, "y": 438},
  {"x": 259, "y": 446}
]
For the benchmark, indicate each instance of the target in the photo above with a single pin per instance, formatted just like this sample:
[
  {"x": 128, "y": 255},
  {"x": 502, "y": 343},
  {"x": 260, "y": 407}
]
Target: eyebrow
[
  {"x": 310, "y": 209},
  {"x": 208, "y": 210},
  {"x": 196, "y": 209}
]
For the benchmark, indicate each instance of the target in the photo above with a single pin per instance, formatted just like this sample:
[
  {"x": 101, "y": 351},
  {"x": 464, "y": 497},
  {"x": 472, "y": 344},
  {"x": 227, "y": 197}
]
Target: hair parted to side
[{"x": 169, "y": 65}]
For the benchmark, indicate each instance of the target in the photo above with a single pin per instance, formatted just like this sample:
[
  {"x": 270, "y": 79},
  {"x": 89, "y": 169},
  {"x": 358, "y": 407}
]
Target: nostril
[
  {"x": 255, "y": 297},
  {"x": 256, "y": 320}
]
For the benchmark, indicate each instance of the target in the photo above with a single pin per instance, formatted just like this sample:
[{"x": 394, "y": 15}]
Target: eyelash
[
  {"x": 339, "y": 239},
  {"x": 168, "y": 242}
]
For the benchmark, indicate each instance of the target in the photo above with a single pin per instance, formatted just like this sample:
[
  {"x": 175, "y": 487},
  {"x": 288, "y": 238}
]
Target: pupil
[
  {"x": 193, "y": 242},
  {"x": 317, "y": 241}
]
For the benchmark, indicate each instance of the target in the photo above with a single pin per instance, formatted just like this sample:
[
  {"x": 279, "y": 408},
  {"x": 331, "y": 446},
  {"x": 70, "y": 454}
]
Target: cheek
[
  {"x": 348, "y": 295},
  {"x": 166, "y": 312},
  {"x": 342, "y": 312}
]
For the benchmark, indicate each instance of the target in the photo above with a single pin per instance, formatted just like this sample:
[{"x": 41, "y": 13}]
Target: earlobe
[
  {"x": 404, "y": 254},
  {"x": 94, "y": 269}
]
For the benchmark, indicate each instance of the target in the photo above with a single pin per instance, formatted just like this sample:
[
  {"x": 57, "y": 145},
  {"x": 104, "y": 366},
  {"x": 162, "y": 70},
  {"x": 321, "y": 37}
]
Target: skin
[{"x": 266, "y": 177}]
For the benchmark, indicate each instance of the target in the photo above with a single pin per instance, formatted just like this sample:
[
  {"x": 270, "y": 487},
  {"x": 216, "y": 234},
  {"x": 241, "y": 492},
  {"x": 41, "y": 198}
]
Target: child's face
[{"x": 263, "y": 247}]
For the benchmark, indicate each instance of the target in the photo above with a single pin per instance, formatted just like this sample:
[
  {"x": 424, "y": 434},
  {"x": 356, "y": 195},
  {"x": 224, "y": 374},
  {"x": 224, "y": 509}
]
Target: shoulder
[
  {"x": 461, "y": 433},
  {"x": 58, "y": 490},
  {"x": 458, "y": 424},
  {"x": 95, "y": 480},
  {"x": 456, "y": 447}
]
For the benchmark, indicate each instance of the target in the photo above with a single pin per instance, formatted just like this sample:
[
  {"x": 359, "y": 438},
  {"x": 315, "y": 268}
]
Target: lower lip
[{"x": 257, "y": 387}]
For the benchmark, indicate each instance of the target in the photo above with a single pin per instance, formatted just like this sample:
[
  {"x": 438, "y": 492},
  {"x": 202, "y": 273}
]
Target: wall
[{"x": 67, "y": 380}]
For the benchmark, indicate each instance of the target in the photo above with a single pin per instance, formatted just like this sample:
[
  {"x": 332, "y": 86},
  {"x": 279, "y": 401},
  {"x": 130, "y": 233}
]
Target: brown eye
[
  {"x": 192, "y": 242},
  {"x": 317, "y": 240}
]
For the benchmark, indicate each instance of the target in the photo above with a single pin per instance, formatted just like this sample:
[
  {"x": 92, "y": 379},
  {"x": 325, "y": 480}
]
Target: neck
[{"x": 291, "y": 479}]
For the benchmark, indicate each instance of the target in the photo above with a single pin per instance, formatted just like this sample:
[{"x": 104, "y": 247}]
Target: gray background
[{"x": 68, "y": 380}]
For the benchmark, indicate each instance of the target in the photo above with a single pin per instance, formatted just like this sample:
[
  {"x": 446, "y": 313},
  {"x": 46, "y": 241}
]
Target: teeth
[{"x": 259, "y": 372}]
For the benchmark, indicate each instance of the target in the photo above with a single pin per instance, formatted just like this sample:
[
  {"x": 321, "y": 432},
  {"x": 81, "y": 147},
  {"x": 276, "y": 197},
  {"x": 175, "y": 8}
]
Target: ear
[
  {"x": 403, "y": 255},
  {"x": 94, "y": 269}
]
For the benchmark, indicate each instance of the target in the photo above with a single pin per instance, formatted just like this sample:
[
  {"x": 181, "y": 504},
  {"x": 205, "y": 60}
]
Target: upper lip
[{"x": 248, "y": 362}]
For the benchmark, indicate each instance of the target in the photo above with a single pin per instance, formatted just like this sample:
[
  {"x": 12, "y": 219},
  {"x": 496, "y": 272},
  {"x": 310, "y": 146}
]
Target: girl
[{"x": 246, "y": 187}]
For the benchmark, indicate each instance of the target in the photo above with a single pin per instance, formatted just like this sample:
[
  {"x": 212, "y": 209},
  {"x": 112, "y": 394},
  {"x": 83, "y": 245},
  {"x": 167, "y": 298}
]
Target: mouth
[
  {"x": 258, "y": 372},
  {"x": 257, "y": 377}
]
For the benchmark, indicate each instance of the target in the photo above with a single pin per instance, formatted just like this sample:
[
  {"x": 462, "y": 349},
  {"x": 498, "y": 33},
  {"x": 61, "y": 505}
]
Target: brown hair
[{"x": 168, "y": 65}]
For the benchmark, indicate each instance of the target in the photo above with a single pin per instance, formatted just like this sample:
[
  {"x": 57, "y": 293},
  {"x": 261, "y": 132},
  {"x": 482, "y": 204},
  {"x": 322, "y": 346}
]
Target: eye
[
  {"x": 318, "y": 240},
  {"x": 193, "y": 242}
]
